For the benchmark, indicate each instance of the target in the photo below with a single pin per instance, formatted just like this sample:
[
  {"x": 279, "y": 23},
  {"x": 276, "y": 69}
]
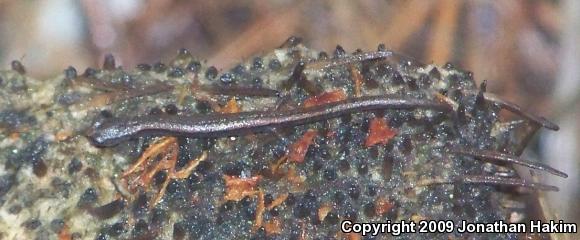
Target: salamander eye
[
  {"x": 93, "y": 135},
  {"x": 102, "y": 117},
  {"x": 106, "y": 114},
  {"x": 98, "y": 122}
]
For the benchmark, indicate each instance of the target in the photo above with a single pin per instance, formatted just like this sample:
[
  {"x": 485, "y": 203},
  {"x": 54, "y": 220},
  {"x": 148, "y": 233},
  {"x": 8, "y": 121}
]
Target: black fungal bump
[
  {"x": 144, "y": 67},
  {"x": 305, "y": 206},
  {"x": 275, "y": 211},
  {"x": 290, "y": 199},
  {"x": 109, "y": 62},
  {"x": 33, "y": 154},
  {"x": 406, "y": 144},
  {"x": 108, "y": 210},
  {"x": 274, "y": 64},
  {"x": 159, "y": 178},
  {"x": 339, "y": 51},
  {"x": 207, "y": 143},
  {"x": 175, "y": 189},
  {"x": 158, "y": 218},
  {"x": 141, "y": 229},
  {"x": 178, "y": 231},
  {"x": 351, "y": 214},
  {"x": 39, "y": 168},
  {"x": 381, "y": 47},
  {"x": 249, "y": 213},
  {"x": 140, "y": 205},
  {"x": 331, "y": 218},
  {"x": 127, "y": 79},
  {"x": 204, "y": 168},
  {"x": 193, "y": 66},
  {"x": 88, "y": 198},
  {"x": 227, "y": 78},
  {"x": 291, "y": 42},
  {"x": 257, "y": 63},
  {"x": 448, "y": 66},
  {"x": 171, "y": 109},
  {"x": 233, "y": 169},
  {"x": 412, "y": 84},
  {"x": 369, "y": 209},
  {"x": 397, "y": 78},
  {"x": 18, "y": 67},
  {"x": 322, "y": 55},
  {"x": 434, "y": 73},
  {"x": 70, "y": 73},
  {"x": 90, "y": 72},
  {"x": 159, "y": 67},
  {"x": 343, "y": 165},
  {"x": 339, "y": 198},
  {"x": 371, "y": 191},
  {"x": 363, "y": 168},
  {"x": 211, "y": 73},
  {"x": 183, "y": 53},
  {"x": 239, "y": 69},
  {"x": 56, "y": 225},
  {"x": 317, "y": 164},
  {"x": 258, "y": 81},
  {"x": 15, "y": 209},
  {"x": 101, "y": 236},
  {"x": 424, "y": 81},
  {"x": 175, "y": 72},
  {"x": 61, "y": 186},
  {"x": 117, "y": 229},
  {"x": 330, "y": 174},
  {"x": 268, "y": 198},
  {"x": 353, "y": 191},
  {"x": 31, "y": 224}
]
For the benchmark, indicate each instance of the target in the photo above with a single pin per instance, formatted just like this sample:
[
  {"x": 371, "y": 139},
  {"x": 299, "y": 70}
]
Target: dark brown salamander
[{"x": 116, "y": 130}]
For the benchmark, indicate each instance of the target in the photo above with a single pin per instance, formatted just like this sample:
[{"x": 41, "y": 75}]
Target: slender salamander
[{"x": 113, "y": 131}]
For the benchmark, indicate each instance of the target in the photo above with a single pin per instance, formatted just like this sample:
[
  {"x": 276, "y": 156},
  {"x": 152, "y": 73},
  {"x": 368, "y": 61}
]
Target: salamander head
[{"x": 109, "y": 132}]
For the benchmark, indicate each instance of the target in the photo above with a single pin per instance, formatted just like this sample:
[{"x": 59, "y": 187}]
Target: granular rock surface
[{"x": 295, "y": 181}]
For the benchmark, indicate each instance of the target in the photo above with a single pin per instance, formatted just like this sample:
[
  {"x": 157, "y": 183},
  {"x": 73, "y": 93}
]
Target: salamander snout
[{"x": 105, "y": 134}]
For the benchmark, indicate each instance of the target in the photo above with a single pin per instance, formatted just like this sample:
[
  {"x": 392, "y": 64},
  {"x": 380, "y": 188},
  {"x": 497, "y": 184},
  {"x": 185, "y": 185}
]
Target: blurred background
[{"x": 527, "y": 50}]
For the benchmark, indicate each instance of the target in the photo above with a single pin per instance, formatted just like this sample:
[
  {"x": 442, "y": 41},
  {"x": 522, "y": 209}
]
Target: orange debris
[
  {"x": 238, "y": 188},
  {"x": 383, "y": 206},
  {"x": 379, "y": 132},
  {"x": 294, "y": 178},
  {"x": 158, "y": 147},
  {"x": 324, "y": 98},
  {"x": 417, "y": 218},
  {"x": 279, "y": 200},
  {"x": 358, "y": 80},
  {"x": 323, "y": 211},
  {"x": 259, "y": 211},
  {"x": 298, "y": 150},
  {"x": 273, "y": 226},
  {"x": 353, "y": 236},
  {"x": 160, "y": 156},
  {"x": 14, "y": 136},
  {"x": 64, "y": 233},
  {"x": 63, "y": 135},
  {"x": 275, "y": 166},
  {"x": 231, "y": 107}
]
